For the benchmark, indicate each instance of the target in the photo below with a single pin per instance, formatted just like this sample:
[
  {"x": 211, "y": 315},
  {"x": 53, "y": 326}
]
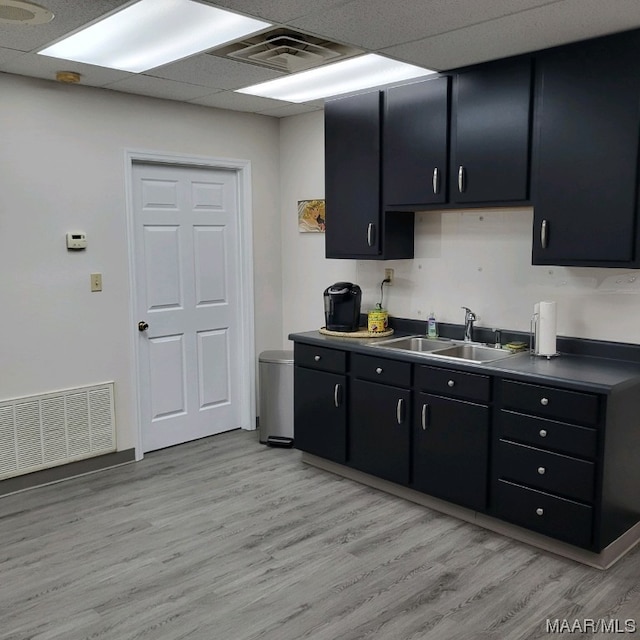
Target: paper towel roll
[{"x": 546, "y": 328}]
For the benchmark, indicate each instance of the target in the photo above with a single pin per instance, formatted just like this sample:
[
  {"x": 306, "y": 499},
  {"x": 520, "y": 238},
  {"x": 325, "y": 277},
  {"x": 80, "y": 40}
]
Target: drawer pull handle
[
  {"x": 451, "y": 383},
  {"x": 425, "y": 409},
  {"x": 543, "y": 433},
  {"x": 399, "y": 411},
  {"x": 336, "y": 395},
  {"x": 544, "y": 402},
  {"x": 541, "y": 470},
  {"x": 379, "y": 370},
  {"x": 317, "y": 358},
  {"x": 540, "y": 511}
]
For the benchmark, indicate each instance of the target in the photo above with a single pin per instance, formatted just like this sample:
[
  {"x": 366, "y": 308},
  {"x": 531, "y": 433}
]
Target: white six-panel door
[{"x": 186, "y": 243}]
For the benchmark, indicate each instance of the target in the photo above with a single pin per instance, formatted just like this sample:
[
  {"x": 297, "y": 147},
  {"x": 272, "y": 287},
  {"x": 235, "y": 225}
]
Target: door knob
[{"x": 142, "y": 325}]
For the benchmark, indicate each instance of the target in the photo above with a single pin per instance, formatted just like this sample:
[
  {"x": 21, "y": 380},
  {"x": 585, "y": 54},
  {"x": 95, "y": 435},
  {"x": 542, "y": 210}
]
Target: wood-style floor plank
[{"x": 226, "y": 538}]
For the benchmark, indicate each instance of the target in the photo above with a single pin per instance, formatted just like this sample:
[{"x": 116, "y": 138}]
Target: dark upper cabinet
[
  {"x": 355, "y": 224},
  {"x": 490, "y": 132},
  {"x": 416, "y": 142},
  {"x": 586, "y": 153}
]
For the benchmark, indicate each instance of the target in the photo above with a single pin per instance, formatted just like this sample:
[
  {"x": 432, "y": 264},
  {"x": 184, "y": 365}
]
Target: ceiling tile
[
  {"x": 277, "y": 10},
  {"x": 374, "y": 24},
  {"x": 159, "y": 88},
  {"x": 32, "y": 64},
  {"x": 69, "y": 15},
  {"x": 8, "y": 54},
  {"x": 541, "y": 28},
  {"x": 217, "y": 73},
  {"x": 290, "y": 110},
  {"x": 236, "y": 101}
]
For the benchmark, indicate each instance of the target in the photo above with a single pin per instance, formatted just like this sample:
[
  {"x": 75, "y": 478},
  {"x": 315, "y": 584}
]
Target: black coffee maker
[{"x": 342, "y": 306}]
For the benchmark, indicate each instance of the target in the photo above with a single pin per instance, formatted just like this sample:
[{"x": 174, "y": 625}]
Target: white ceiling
[{"x": 437, "y": 34}]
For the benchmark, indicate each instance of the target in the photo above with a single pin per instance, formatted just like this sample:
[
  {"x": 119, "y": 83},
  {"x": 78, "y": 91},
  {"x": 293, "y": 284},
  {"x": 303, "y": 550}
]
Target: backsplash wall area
[{"x": 479, "y": 258}]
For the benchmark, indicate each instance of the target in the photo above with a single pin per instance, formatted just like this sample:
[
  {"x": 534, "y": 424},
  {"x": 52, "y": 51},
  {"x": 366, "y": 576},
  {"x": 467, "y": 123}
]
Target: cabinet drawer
[
  {"x": 381, "y": 370},
  {"x": 553, "y": 472},
  {"x": 457, "y": 384},
  {"x": 548, "y": 434},
  {"x": 320, "y": 358},
  {"x": 550, "y": 402},
  {"x": 553, "y": 516}
]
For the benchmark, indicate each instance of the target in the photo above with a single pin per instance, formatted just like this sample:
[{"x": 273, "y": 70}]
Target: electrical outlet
[{"x": 388, "y": 275}]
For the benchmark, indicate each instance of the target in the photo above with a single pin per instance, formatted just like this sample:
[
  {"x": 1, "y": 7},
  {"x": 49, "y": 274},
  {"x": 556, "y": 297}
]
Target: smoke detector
[
  {"x": 286, "y": 50},
  {"x": 68, "y": 77},
  {"x": 21, "y": 12}
]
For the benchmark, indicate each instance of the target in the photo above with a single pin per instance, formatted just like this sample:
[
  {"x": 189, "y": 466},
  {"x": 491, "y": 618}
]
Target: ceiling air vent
[{"x": 286, "y": 51}]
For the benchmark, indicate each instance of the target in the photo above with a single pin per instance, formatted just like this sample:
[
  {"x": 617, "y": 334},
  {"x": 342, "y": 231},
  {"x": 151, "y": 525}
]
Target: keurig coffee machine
[{"x": 342, "y": 306}]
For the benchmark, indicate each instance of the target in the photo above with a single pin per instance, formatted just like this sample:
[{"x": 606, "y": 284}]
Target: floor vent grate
[{"x": 44, "y": 431}]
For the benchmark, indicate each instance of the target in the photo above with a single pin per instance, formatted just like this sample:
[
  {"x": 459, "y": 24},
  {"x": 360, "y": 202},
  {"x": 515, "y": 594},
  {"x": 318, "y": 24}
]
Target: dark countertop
[{"x": 579, "y": 372}]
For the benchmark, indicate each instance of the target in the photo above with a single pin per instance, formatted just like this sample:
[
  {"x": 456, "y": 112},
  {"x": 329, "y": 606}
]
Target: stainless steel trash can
[{"x": 275, "y": 370}]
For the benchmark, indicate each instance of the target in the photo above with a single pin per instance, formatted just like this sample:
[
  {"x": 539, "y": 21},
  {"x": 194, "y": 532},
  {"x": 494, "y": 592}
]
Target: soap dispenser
[{"x": 432, "y": 326}]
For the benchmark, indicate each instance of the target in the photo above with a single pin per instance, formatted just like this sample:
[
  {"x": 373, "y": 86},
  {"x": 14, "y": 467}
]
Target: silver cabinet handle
[
  {"x": 336, "y": 395},
  {"x": 451, "y": 383},
  {"x": 543, "y": 433},
  {"x": 540, "y": 511},
  {"x": 460, "y": 178},
  {"x": 544, "y": 402},
  {"x": 379, "y": 370},
  {"x": 371, "y": 234},
  {"x": 543, "y": 234},
  {"x": 541, "y": 470},
  {"x": 316, "y": 358},
  {"x": 399, "y": 411},
  {"x": 435, "y": 180},
  {"x": 425, "y": 409}
]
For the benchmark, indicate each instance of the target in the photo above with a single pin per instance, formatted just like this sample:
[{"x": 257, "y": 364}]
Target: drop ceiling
[{"x": 437, "y": 34}]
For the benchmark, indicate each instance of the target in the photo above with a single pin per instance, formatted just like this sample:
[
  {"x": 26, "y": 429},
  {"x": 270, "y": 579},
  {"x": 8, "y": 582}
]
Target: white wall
[
  {"x": 62, "y": 168},
  {"x": 477, "y": 258}
]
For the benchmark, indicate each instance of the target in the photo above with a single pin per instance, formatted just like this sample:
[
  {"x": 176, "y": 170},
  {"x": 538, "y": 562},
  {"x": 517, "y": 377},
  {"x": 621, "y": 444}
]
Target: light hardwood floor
[{"x": 226, "y": 539}]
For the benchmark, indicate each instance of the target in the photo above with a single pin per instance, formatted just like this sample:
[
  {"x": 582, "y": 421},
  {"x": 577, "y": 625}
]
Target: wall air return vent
[
  {"x": 56, "y": 428},
  {"x": 286, "y": 51}
]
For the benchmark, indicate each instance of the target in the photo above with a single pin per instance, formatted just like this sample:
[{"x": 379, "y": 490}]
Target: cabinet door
[
  {"x": 415, "y": 142},
  {"x": 320, "y": 414},
  {"x": 352, "y": 176},
  {"x": 586, "y": 153},
  {"x": 491, "y": 132},
  {"x": 451, "y": 449},
  {"x": 379, "y": 426}
]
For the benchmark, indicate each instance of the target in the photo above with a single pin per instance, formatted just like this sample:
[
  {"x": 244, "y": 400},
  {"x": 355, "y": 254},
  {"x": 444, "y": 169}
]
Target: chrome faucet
[{"x": 469, "y": 319}]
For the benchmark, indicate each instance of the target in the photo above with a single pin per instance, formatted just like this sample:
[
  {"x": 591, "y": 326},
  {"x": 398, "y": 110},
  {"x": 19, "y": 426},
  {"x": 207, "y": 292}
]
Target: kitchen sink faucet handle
[{"x": 498, "y": 339}]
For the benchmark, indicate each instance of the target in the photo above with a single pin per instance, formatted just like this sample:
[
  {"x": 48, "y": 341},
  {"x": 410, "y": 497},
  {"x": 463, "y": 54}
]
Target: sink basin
[
  {"x": 414, "y": 343},
  {"x": 473, "y": 353},
  {"x": 445, "y": 349}
]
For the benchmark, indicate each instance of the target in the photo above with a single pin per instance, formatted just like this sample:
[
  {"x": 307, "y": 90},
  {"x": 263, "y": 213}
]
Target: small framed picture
[{"x": 311, "y": 216}]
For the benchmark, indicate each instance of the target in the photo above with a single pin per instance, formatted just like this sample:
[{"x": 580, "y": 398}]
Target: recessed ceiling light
[
  {"x": 151, "y": 33},
  {"x": 366, "y": 71},
  {"x": 21, "y": 12}
]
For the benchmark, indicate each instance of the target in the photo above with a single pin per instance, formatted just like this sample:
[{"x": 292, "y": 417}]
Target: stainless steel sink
[
  {"x": 414, "y": 343},
  {"x": 473, "y": 353},
  {"x": 445, "y": 349}
]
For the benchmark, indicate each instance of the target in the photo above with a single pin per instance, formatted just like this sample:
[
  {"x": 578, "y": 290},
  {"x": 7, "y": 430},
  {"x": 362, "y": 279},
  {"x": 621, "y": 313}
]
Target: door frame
[{"x": 242, "y": 168}]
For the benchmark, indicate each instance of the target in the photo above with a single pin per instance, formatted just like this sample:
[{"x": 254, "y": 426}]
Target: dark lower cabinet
[
  {"x": 320, "y": 413},
  {"x": 379, "y": 425},
  {"x": 451, "y": 449}
]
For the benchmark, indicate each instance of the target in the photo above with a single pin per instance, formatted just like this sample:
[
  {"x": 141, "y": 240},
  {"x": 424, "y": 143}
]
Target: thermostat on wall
[{"x": 76, "y": 240}]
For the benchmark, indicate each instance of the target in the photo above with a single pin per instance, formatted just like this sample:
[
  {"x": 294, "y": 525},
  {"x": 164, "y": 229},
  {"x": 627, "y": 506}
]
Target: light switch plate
[{"x": 96, "y": 282}]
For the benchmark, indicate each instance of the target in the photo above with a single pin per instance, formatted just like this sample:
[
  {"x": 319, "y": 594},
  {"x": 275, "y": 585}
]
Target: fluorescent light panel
[
  {"x": 151, "y": 33},
  {"x": 366, "y": 71}
]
